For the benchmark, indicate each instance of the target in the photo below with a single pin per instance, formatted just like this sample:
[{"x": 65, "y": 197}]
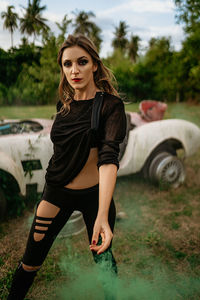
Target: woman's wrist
[{"x": 103, "y": 216}]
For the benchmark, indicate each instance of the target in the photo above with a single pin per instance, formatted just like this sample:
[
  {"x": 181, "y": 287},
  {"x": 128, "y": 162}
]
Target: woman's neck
[{"x": 85, "y": 94}]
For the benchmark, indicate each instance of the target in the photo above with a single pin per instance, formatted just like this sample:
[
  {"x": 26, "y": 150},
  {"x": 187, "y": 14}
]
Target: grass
[
  {"x": 24, "y": 112},
  {"x": 185, "y": 111},
  {"x": 156, "y": 245}
]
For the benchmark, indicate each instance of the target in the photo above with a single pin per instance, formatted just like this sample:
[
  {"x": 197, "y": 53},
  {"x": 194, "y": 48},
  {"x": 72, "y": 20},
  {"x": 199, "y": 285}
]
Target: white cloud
[
  {"x": 146, "y": 18},
  {"x": 5, "y": 38},
  {"x": 53, "y": 17},
  {"x": 174, "y": 31},
  {"x": 164, "y": 30},
  {"x": 3, "y": 5},
  {"x": 140, "y": 6}
]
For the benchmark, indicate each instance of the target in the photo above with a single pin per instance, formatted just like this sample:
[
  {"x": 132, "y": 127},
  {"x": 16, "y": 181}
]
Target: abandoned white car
[
  {"x": 151, "y": 146},
  {"x": 25, "y": 149}
]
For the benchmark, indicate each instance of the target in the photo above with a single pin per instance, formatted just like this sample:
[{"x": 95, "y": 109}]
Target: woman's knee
[{"x": 30, "y": 268}]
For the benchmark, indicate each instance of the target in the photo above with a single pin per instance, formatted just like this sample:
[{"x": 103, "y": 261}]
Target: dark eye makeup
[
  {"x": 67, "y": 63},
  {"x": 81, "y": 62}
]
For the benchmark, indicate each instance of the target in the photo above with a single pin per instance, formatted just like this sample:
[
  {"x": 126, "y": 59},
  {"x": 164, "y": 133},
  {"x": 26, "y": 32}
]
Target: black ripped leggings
[{"x": 67, "y": 200}]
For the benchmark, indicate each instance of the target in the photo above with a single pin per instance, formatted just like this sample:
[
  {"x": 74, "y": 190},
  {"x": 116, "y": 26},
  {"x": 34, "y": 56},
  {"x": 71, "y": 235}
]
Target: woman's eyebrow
[
  {"x": 64, "y": 61},
  {"x": 81, "y": 57}
]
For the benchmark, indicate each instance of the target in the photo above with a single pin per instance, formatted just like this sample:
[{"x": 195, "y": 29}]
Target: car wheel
[
  {"x": 2, "y": 204},
  {"x": 74, "y": 226},
  {"x": 167, "y": 168}
]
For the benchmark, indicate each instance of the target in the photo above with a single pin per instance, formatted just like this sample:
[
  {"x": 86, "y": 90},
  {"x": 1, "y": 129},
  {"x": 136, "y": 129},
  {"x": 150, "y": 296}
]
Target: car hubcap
[{"x": 167, "y": 168}]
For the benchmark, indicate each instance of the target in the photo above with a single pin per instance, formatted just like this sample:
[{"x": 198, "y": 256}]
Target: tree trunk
[
  {"x": 11, "y": 39},
  {"x": 177, "y": 97}
]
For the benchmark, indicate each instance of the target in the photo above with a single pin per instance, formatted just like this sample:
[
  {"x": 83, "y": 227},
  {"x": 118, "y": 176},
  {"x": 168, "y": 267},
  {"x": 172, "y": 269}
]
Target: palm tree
[
  {"x": 133, "y": 47},
  {"x": 33, "y": 22},
  {"x": 120, "y": 40},
  {"x": 94, "y": 35},
  {"x": 152, "y": 42},
  {"x": 63, "y": 25},
  {"x": 83, "y": 25},
  {"x": 10, "y": 22}
]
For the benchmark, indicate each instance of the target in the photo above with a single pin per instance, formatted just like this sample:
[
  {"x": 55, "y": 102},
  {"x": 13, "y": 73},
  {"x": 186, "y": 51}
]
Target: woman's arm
[
  {"x": 111, "y": 133},
  {"x": 107, "y": 181}
]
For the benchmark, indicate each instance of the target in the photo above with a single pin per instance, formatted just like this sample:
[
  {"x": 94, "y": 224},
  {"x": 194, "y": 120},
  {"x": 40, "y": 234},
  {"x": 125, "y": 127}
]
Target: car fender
[
  {"x": 7, "y": 164},
  {"x": 146, "y": 138}
]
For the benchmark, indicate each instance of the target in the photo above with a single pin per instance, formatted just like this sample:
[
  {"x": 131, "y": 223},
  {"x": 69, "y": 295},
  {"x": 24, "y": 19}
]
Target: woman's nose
[{"x": 75, "y": 69}]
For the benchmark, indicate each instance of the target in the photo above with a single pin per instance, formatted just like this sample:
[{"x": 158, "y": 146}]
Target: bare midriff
[{"x": 89, "y": 175}]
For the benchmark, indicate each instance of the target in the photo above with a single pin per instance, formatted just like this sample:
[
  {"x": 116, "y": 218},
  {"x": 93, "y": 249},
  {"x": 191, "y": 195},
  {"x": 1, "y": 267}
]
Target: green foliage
[
  {"x": 120, "y": 40},
  {"x": 15, "y": 203},
  {"x": 194, "y": 260},
  {"x": 37, "y": 83},
  {"x": 63, "y": 26},
  {"x": 32, "y": 21},
  {"x": 12, "y": 64},
  {"x": 152, "y": 239},
  {"x": 84, "y": 25},
  {"x": 5, "y": 284},
  {"x": 30, "y": 75},
  {"x": 160, "y": 59},
  {"x": 188, "y": 12},
  {"x": 191, "y": 66},
  {"x": 133, "y": 47},
  {"x": 144, "y": 80},
  {"x": 3, "y": 94}
]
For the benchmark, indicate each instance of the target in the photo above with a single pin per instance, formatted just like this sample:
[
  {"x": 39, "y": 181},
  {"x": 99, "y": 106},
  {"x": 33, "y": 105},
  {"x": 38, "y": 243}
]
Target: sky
[{"x": 145, "y": 18}]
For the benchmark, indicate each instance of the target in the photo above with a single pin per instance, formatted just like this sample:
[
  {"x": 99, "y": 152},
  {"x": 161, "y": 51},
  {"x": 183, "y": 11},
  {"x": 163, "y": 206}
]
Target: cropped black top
[{"x": 73, "y": 137}]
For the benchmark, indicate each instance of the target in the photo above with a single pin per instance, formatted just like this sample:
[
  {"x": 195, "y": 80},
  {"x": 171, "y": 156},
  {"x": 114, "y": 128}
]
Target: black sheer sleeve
[
  {"x": 58, "y": 106},
  {"x": 112, "y": 131}
]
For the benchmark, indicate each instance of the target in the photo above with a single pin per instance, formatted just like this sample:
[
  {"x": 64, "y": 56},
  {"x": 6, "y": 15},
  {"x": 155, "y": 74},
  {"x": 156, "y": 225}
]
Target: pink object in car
[{"x": 152, "y": 110}]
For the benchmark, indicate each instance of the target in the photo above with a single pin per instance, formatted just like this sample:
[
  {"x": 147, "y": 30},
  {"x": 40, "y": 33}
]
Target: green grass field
[
  {"x": 180, "y": 111},
  {"x": 156, "y": 245}
]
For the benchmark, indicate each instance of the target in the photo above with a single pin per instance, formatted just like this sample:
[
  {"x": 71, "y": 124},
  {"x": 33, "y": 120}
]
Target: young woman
[{"x": 82, "y": 172}]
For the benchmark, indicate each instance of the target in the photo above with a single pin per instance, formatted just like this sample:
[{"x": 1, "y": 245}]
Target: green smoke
[{"x": 96, "y": 283}]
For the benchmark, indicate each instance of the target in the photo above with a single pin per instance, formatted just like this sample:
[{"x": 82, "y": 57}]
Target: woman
[{"x": 82, "y": 172}]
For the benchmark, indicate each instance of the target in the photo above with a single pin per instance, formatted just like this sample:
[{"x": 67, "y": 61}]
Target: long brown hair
[{"x": 102, "y": 76}]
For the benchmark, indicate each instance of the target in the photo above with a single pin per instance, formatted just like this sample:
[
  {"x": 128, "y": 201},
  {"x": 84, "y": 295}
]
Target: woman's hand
[{"x": 101, "y": 227}]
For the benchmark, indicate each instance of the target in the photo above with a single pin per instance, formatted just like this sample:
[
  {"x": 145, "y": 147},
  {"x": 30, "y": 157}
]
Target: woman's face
[{"x": 78, "y": 68}]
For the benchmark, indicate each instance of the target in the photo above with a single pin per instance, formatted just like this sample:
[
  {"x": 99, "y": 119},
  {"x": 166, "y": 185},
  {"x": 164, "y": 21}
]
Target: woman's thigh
[{"x": 49, "y": 219}]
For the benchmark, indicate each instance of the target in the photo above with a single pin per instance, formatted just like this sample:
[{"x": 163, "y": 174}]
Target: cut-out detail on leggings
[
  {"x": 45, "y": 214},
  {"x": 43, "y": 222},
  {"x": 41, "y": 228},
  {"x": 47, "y": 211},
  {"x": 30, "y": 268}
]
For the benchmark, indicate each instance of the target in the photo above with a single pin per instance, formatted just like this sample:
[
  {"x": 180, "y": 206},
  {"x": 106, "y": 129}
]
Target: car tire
[
  {"x": 3, "y": 205},
  {"x": 166, "y": 168},
  {"x": 74, "y": 226}
]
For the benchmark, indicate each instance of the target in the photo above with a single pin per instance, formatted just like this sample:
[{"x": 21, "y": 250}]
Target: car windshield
[{"x": 20, "y": 127}]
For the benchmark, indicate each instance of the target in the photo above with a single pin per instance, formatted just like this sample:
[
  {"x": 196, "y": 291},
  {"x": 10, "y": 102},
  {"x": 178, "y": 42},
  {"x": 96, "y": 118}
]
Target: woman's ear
[{"x": 95, "y": 66}]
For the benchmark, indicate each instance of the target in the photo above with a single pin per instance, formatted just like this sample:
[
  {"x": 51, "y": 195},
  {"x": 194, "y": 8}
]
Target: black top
[{"x": 73, "y": 137}]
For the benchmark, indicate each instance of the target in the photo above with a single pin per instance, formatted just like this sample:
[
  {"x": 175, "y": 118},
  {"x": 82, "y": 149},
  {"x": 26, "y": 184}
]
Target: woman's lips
[{"x": 77, "y": 79}]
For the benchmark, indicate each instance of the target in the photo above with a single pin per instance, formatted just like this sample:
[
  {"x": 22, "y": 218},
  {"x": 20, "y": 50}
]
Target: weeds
[
  {"x": 152, "y": 238},
  {"x": 156, "y": 246}
]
